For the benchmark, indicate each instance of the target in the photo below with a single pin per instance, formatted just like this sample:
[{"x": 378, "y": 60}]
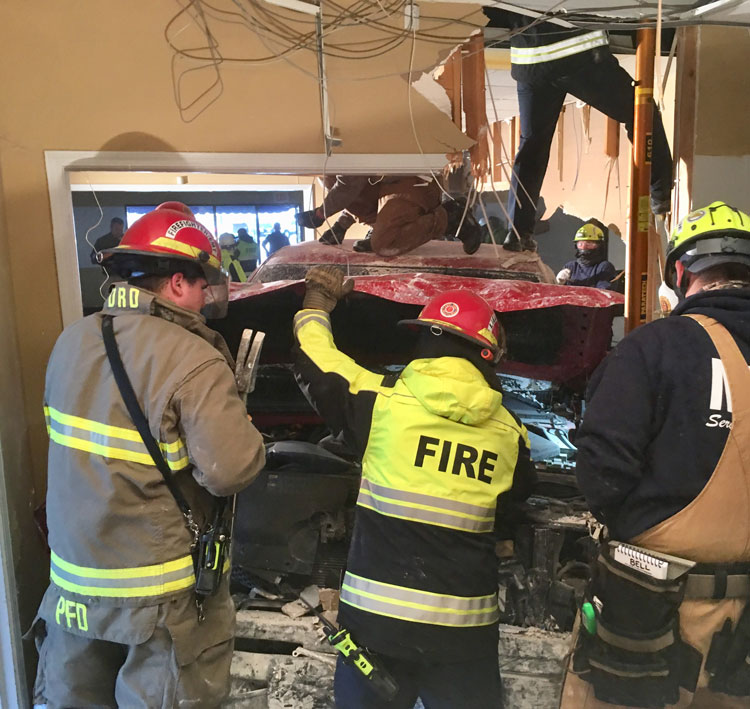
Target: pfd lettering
[
  {"x": 69, "y": 612},
  {"x": 456, "y": 457}
]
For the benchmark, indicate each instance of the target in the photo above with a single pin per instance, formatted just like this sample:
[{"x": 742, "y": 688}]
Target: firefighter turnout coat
[
  {"x": 437, "y": 449},
  {"x": 119, "y": 545}
]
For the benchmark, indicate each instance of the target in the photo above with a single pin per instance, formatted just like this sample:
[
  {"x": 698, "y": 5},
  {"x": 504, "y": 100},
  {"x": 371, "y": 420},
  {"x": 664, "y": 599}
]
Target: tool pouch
[
  {"x": 635, "y": 655},
  {"x": 728, "y": 660}
]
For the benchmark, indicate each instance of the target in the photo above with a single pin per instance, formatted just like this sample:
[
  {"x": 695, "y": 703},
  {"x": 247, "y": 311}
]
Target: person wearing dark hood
[
  {"x": 590, "y": 266},
  {"x": 442, "y": 458},
  {"x": 664, "y": 462}
]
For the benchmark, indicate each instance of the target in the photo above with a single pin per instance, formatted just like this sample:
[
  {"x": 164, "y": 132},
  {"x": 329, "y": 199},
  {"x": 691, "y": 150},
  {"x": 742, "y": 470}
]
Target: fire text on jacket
[{"x": 456, "y": 458}]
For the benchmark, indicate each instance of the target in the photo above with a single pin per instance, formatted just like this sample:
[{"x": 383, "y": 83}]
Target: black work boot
[
  {"x": 363, "y": 245},
  {"x": 513, "y": 243},
  {"x": 471, "y": 233}
]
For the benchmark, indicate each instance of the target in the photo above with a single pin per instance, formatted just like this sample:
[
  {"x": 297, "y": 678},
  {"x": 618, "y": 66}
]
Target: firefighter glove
[
  {"x": 334, "y": 235},
  {"x": 563, "y": 277},
  {"x": 311, "y": 219},
  {"x": 325, "y": 286}
]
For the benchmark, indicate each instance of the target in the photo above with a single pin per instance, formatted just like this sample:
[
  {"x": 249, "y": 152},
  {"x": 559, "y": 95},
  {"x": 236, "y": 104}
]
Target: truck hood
[{"x": 557, "y": 333}]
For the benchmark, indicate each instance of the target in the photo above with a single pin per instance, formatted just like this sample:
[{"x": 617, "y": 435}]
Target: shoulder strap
[
  {"x": 735, "y": 366},
  {"x": 139, "y": 419}
]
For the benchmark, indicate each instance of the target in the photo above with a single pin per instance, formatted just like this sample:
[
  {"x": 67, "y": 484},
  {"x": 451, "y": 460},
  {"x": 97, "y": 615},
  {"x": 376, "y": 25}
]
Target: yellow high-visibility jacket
[{"x": 438, "y": 448}]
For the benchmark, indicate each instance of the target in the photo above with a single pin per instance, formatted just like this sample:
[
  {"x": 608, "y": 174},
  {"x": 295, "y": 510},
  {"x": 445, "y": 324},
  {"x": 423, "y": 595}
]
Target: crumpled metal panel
[{"x": 417, "y": 288}]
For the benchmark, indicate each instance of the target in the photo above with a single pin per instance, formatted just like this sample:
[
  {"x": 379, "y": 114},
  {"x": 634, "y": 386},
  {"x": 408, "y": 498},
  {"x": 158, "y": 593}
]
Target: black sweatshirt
[{"x": 657, "y": 419}]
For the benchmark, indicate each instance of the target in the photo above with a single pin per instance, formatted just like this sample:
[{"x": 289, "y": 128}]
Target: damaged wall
[
  {"x": 721, "y": 154},
  {"x": 91, "y": 84},
  {"x": 97, "y": 76}
]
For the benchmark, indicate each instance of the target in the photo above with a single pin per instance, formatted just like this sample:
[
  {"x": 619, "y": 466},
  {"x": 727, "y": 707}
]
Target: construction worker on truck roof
[
  {"x": 664, "y": 461},
  {"x": 132, "y": 480},
  {"x": 438, "y": 449}
]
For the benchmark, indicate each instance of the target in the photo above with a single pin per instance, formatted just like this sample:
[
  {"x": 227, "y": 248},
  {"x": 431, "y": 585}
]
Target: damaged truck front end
[{"x": 294, "y": 523}]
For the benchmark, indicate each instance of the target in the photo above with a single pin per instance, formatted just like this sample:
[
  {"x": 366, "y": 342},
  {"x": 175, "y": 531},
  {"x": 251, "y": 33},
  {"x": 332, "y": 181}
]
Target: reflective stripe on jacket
[
  {"x": 437, "y": 450},
  {"x": 558, "y": 50},
  {"x": 115, "y": 530}
]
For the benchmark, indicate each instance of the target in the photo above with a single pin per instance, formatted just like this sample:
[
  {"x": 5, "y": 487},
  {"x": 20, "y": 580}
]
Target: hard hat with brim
[
  {"x": 710, "y": 236},
  {"x": 589, "y": 232},
  {"x": 465, "y": 315},
  {"x": 171, "y": 234}
]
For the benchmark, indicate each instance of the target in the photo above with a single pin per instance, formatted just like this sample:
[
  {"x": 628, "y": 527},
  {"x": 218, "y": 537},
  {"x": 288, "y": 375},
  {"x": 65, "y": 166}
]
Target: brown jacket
[{"x": 115, "y": 531}]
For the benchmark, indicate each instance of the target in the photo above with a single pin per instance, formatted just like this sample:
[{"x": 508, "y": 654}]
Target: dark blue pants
[
  {"x": 471, "y": 684},
  {"x": 602, "y": 84}
]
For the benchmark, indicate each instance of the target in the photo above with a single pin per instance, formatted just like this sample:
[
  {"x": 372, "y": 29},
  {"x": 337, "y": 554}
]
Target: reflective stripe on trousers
[
  {"x": 136, "y": 582},
  {"x": 558, "y": 50},
  {"x": 109, "y": 441},
  {"x": 429, "y": 509},
  {"x": 418, "y": 606}
]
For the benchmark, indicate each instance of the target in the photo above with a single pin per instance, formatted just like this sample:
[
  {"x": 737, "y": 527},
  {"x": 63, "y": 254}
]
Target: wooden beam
[
  {"x": 560, "y": 142},
  {"x": 496, "y": 133},
  {"x": 685, "y": 116},
  {"x": 612, "y": 148}
]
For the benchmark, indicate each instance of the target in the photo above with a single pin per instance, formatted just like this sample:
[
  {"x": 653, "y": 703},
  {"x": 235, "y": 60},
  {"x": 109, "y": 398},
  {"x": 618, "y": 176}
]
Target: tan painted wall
[
  {"x": 724, "y": 99},
  {"x": 721, "y": 152},
  {"x": 91, "y": 75}
]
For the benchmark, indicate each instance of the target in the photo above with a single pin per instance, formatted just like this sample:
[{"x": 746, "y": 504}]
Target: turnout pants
[
  {"x": 603, "y": 84},
  {"x": 472, "y": 684},
  {"x": 153, "y": 657},
  {"x": 713, "y": 529}
]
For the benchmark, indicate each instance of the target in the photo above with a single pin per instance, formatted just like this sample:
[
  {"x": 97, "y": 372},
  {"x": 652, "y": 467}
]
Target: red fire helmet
[
  {"x": 174, "y": 233},
  {"x": 177, "y": 207},
  {"x": 466, "y": 315}
]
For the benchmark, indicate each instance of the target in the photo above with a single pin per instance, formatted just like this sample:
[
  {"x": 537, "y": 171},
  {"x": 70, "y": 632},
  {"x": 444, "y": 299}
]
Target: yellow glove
[{"x": 325, "y": 286}]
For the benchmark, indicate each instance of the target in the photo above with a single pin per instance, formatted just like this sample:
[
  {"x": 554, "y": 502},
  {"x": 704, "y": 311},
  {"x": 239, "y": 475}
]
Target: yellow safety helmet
[
  {"x": 590, "y": 231},
  {"x": 708, "y": 237}
]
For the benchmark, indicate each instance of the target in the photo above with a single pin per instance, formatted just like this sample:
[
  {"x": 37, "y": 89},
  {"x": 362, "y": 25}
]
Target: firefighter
[
  {"x": 404, "y": 213},
  {"x": 247, "y": 250},
  {"x": 119, "y": 624},
  {"x": 664, "y": 461},
  {"x": 438, "y": 448},
  {"x": 230, "y": 258},
  {"x": 549, "y": 61},
  {"x": 590, "y": 267}
]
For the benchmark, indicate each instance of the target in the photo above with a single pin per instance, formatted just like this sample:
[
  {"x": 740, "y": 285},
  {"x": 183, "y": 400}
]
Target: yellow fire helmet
[
  {"x": 589, "y": 232},
  {"x": 708, "y": 237}
]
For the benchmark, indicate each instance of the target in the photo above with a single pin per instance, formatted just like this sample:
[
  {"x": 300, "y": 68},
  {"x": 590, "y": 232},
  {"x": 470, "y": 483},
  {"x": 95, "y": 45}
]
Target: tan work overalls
[{"x": 713, "y": 528}]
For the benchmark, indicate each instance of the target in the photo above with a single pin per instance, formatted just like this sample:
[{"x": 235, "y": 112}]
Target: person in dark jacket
[
  {"x": 109, "y": 240},
  {"x": 275, "y": 240},
  {"x": 590, "y": 267},
  {"x": 548, "y": 61},
  {"x": 440, "y": 455},
  {"x": 664, "y": 461}
]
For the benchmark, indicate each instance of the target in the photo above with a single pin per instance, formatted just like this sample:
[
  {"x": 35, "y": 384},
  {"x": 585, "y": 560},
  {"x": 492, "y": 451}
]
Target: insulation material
[{"x": 430, "y": 89}]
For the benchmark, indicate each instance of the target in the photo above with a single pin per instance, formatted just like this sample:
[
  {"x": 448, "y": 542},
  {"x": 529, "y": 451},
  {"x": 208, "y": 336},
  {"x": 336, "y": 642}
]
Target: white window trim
[{"x": 60, "y": 163}]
